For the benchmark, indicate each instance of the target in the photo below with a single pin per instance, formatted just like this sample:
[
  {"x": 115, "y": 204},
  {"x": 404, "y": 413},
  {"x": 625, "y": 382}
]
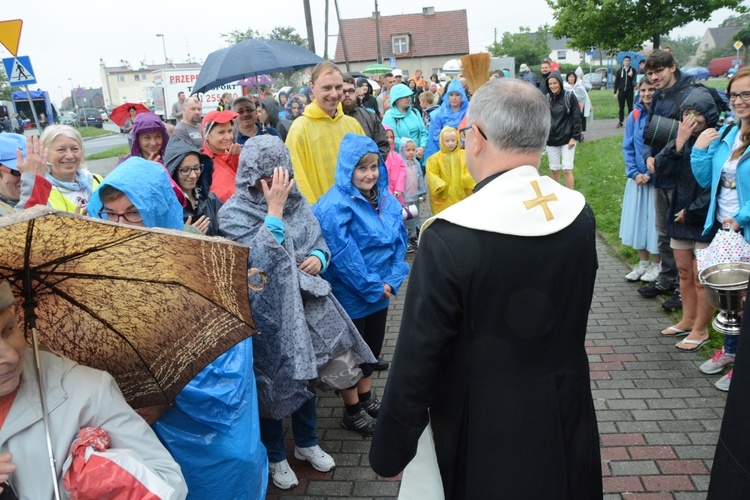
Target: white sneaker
[
  {"x": 717, "y": 363},
  {"x": 723, "y": 383},
  {"x": 637, "y": 271},
  {"x": 653, "y": 272},
  {"x": 283, "y": 476},
  {"x": 319, "y": 459}
]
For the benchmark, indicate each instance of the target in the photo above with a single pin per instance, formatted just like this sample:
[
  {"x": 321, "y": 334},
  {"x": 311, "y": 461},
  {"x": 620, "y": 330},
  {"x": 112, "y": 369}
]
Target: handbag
[{"x": 727, "y": 246}]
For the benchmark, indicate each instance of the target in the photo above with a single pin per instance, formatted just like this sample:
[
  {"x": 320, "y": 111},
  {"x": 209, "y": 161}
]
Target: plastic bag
[
  {"x": 96, "y": 472},
  {"x": 727, "y": 246},
  {"x": 342, "y": 372}
]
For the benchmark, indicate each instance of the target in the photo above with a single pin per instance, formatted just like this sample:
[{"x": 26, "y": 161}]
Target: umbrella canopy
[
  {"x": 255, "y": 81},
  {"x": 121, "y": 113},
  {"x": 377, "y": 69},
  {"x": 152, "y": 307},
  {"x": 252, "y": 57}
]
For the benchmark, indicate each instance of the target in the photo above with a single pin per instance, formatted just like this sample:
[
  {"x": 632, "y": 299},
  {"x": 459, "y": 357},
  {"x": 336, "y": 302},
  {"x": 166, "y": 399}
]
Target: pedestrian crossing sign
[{"x": 19, "y": 71}]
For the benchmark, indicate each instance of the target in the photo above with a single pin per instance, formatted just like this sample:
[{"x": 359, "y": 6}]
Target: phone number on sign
[{"x": 216, "y": 97}]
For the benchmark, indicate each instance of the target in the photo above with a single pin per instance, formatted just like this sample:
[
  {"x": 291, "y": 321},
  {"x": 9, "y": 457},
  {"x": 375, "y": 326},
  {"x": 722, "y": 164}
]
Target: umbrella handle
[
  {"x": 45, "y": 416},
  {"x": 263, "y": 278}
]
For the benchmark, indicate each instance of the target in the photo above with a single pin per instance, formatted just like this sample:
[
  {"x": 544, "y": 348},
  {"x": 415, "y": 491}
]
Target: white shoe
[
  {"x": 637, "y": 271},
  {"x": 723, "y": 383},
  {"x": 319, "y": 459},
  {"x": 283, "y": 476},
  {"x": 717, "y": 363},
  {"x": 652, "y": 272}
]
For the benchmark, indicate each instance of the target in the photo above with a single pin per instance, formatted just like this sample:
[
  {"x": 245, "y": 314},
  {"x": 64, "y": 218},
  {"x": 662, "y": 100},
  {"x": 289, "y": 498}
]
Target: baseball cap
[
  {"x": 216, "y": 116},
  {"x": 9, "y": 143},
  {"x": 398, "y": 72},
  {"x": 523, "y": 67}
]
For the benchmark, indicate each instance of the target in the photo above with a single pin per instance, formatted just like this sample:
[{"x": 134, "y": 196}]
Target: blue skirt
[{"x": 637, "y": 223}]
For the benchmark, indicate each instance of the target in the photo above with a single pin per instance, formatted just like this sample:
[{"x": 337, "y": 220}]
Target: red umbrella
[{"x": 121, "y": 113}]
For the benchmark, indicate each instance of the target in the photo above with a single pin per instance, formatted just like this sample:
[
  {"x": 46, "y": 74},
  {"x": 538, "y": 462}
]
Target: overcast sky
[{"x": 66, "y": 38}]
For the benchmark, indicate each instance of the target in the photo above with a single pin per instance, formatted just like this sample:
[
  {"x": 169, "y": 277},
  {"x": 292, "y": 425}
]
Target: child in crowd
[
  {"x": 394, "y": 163},
  {"x": 414, "y": 190},
  {"x": 448, "y": 179}
]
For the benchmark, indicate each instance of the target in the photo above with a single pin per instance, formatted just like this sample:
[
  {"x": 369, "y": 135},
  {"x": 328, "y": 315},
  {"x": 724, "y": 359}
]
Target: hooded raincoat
[
  {"x": 396, "y": 170},
  {"x": 566, "y": 114},
  {"x": 407, "y": 124},
  {"x": 445, "y": 116},
  {"x": 414, "y": 185},
  {"x": 207, "y": 203},
  {"x": 272, "y": 108},
  {"x": 219, "y": 406},
  {"x": 368, "y": 100},
  {"x": 368, "y": 245},
  {"x": 302, "y": 326},
  {"x": 313, "y": 142},
  {"x": 448, "y": 179}
]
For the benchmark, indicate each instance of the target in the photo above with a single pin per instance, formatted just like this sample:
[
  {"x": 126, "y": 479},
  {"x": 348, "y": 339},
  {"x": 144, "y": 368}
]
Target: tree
[
  {"x": 624, "y": 24},
  {"x": 722, "y": 51},
  {"x": 5, "y": 89},
  {"x": 743, "y": 36},
  {"x": 741, "y": 20},
  {"x": 683, "y": 48},
  {"x": 236, "y": 36},
  {"x": 287, "y": 34},
  {"x": 524, "y": 46}
]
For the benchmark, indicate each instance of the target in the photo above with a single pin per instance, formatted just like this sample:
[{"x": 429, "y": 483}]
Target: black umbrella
[{"x": 251, "y": 58}]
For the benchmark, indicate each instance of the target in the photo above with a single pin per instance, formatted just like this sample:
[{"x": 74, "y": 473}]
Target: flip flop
[
  {"x": 676, "y": 332},
  {"x": 697, "y": 343}
]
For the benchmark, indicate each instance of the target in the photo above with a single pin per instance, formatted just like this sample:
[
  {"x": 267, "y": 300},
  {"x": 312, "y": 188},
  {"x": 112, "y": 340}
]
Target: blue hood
[
  {"x": 147, "y": 185},
  {"x": 353, "y": 148},
  {"x": 456, "y": 87},
  {"x": 399, "y": 91}
]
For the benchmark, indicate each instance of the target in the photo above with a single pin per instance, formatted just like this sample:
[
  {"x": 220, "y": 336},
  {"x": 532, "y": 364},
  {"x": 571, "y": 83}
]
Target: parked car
[
  {"x": 68, "y": 119},
  {"x": 595, "y": 80},
  {"x": 104, "y": 114},
  {"x": 721, "y": 65},
  {"x": 89, "y": 117},
  {"x": 699, "y": 72}
]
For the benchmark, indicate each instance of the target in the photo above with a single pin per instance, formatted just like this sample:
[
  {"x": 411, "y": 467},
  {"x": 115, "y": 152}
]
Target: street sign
[
  {"x": 737, "y": 45},
  {"x": 393, "y": 62},
  {"x": 80, "y": 92},
  {"x": 10, "y": 35},
  {"x": 19, "y": 70}
]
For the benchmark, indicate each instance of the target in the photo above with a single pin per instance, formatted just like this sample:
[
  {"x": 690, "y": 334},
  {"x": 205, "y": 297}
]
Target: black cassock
[{"x": 492, "y": 342}]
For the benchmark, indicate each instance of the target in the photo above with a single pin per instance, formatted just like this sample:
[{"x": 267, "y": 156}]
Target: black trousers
[
  {"x": 372, "y": 330},
  {"x": 622, "y": 97}
]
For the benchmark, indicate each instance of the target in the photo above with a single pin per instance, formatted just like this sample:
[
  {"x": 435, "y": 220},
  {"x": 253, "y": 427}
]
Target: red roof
[{"x": 438, "y": 34}]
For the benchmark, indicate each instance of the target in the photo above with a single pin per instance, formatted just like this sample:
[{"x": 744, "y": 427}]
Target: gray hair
[
  {"x": 513, "y": 114},
  {"x": 54, "y": 131}
]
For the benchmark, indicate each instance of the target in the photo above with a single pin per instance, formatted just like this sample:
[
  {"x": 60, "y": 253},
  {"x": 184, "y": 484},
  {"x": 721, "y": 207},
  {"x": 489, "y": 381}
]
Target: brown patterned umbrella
[{"x": 152, "y": 307}]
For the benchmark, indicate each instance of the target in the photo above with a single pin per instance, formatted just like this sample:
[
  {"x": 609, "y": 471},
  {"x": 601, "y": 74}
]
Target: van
[{"x": 720, "y": 66}]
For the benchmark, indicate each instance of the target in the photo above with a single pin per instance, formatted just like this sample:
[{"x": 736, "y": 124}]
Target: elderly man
[
  {"x": 78, "y": 397},
  {"x": 189, "y": 127},
  {"x": 491, "y": 351}
]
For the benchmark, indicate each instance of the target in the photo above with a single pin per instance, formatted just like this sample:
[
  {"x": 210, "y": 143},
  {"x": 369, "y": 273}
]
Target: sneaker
[
  {"x": 410, "y": 248},
  {"x": 319, "y": 459},
  {"x": 723, "y": 383},
  {"x": 673, "y": 303},
  {"x": 619, "y": 125},
  {"x": 638, "y": 271},
  {"x": 717, "y": 363},
  {"x": 414, "y": 242},
  {"x": 360, "y": 422},
  {"x": 282, "y": 475},
  {"x": 372, "y": 405},
  {"x": 652, "y": 273},
  {"x": 653, "y": 289}
]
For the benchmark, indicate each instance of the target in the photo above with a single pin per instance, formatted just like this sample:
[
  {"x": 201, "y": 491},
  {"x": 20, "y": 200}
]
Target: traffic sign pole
[{"x": 33, "y": 109}]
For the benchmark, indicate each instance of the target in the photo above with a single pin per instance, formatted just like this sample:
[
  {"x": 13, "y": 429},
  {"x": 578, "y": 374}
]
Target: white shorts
[{"x": 557, "y": 153}]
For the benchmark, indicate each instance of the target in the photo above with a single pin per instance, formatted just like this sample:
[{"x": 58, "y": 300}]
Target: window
[
  {"x": 561, "y": 54},
  {"x": 137, "y": 78},
  {"x": 143, "y": 77},
  {"x": 400, "y": 44},
  {"x": 120, "y": 78}
]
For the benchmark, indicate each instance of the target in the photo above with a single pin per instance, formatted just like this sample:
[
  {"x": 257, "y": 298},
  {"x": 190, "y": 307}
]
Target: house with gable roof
[
  {"x": 712, "y": 38},
  {"x": 423, "y": 40}
]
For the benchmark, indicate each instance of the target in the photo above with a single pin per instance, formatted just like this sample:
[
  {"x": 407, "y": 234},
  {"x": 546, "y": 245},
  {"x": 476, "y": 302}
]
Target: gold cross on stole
[{"x": 541, "y": 201}]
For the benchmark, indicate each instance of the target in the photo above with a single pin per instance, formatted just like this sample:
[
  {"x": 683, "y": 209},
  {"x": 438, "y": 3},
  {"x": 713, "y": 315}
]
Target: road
[{"x": 99, "y": 144}]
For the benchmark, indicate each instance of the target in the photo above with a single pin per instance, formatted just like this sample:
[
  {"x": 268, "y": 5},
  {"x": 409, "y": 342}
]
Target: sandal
[
  {"x": 673, "y": 331},
  {"x": 697, "y": 343}
]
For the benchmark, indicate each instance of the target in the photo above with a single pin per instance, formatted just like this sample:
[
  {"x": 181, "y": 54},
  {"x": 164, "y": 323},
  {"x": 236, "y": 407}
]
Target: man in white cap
[
  {"x": 491, "y": 349},
  {"x": 77, "y": 397},
  {"x": 398, "y": 76},
  {"x": 527, "y": 75},
  {"x": 22, "y": 182}
]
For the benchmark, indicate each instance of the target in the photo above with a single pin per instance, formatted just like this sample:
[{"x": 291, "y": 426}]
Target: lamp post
[
  {"x": 72, "y": 93},
  {"x": 164, "y": 46}
]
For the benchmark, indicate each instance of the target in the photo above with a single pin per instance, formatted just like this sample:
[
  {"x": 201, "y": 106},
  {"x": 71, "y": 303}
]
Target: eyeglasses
[
  {"x": 132, "y": 217},
  {"x": 652, "y": 73},
  {"x": 243, "y": 111},
  {"x": 14, "y": 173},
  {"x": 350, "y": 91},
  {"x": 185, "y": 171},
  {"x": 744, "y": 96},
  {"x": 462, "y": 131}
]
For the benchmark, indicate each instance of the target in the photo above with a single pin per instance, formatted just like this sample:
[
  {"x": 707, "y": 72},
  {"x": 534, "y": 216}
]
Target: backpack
[{"x": 719, "y": 96}]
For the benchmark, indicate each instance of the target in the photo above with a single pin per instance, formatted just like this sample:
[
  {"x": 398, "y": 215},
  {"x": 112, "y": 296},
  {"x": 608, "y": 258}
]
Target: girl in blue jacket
[{"x": 363, "y": 227}]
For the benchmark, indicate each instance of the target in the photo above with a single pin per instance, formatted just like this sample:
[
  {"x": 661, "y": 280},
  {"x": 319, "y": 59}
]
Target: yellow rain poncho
[
  {"x": 448, "y": 179},
  {"x": 313, "y": 143}
]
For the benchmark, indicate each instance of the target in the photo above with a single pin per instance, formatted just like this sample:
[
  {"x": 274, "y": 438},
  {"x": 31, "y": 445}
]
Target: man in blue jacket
[{"x": 671, "y": 88}]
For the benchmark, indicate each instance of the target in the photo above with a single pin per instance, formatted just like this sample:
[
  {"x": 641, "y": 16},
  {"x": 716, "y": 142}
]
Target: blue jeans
[
  {"x": 304, "y": 429},
  {"x": 730, "y": 343}
]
